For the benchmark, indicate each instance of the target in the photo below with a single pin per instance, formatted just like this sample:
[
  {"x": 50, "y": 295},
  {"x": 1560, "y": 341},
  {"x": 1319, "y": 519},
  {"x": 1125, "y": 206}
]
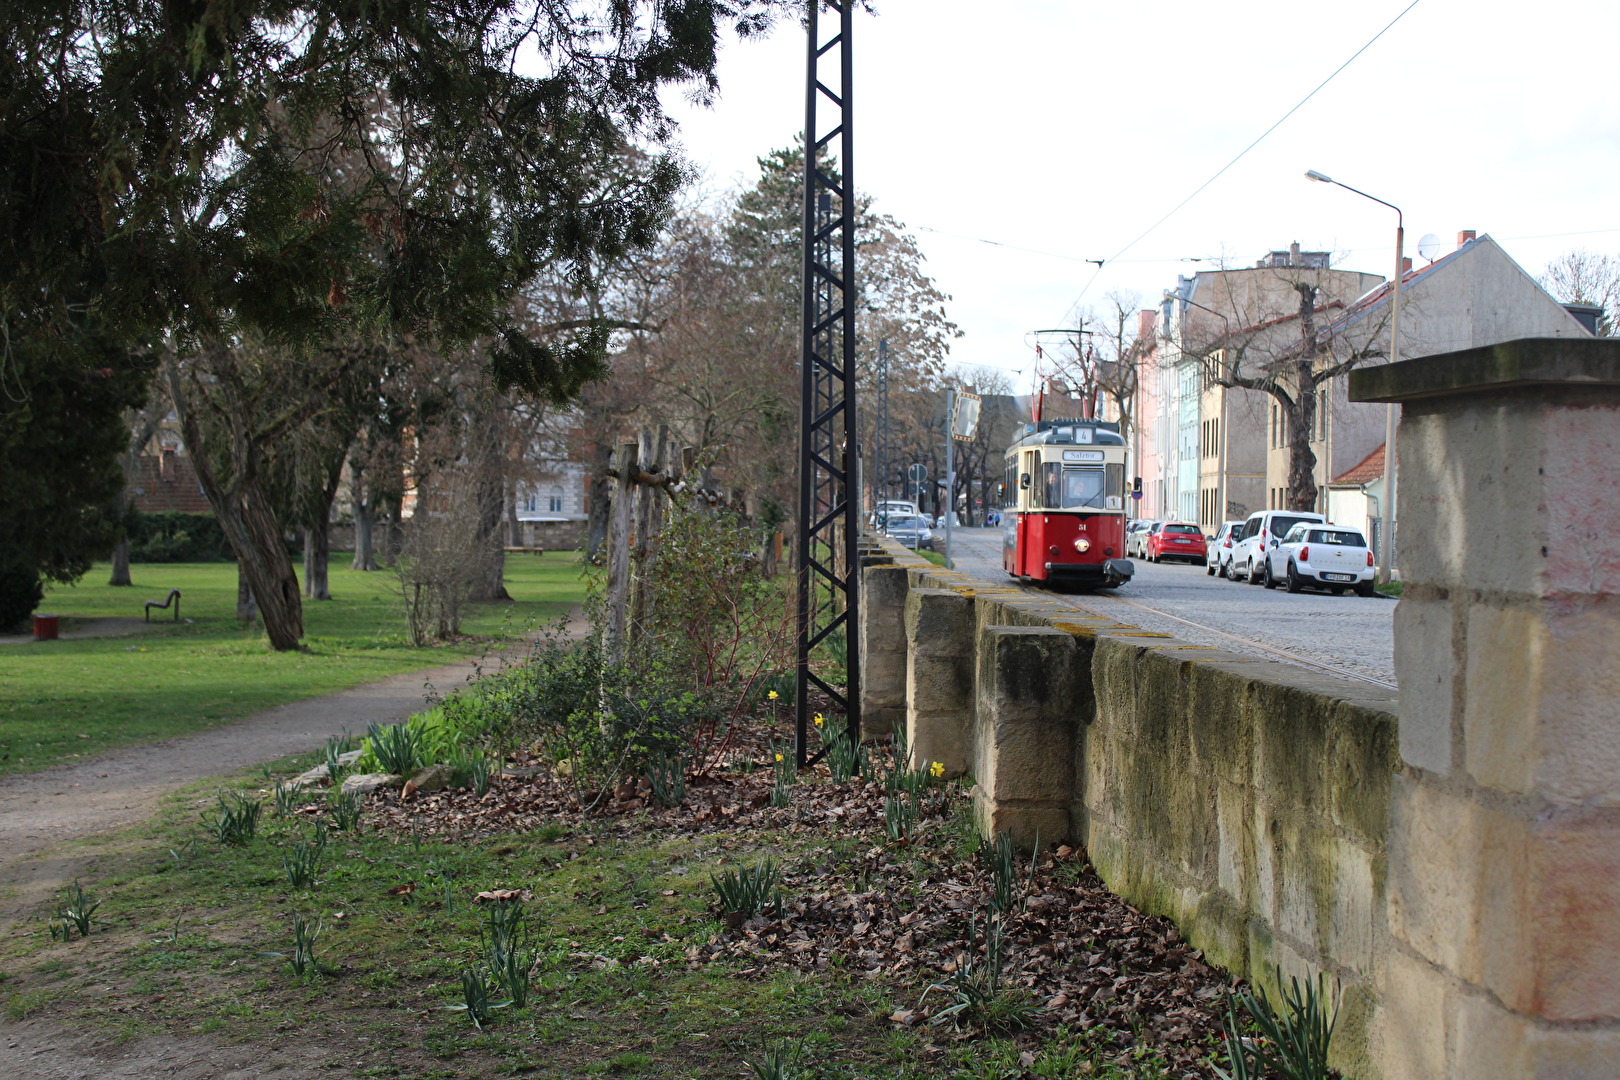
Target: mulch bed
[{"x": 1095, "y": 964}]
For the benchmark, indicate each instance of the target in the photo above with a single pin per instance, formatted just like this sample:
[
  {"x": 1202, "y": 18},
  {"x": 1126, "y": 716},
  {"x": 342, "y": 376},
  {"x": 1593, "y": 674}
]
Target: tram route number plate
[{"x": 1339, "y": 577}]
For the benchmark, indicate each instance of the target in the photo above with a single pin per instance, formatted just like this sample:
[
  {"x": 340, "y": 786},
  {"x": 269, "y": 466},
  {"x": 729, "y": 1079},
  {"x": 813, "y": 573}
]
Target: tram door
[{"x": 1028, "y": 499}]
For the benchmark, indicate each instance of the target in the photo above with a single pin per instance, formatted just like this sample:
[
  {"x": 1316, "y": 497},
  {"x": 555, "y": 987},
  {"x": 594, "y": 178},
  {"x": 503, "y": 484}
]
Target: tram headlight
[{"x": 1082, "y": 545}]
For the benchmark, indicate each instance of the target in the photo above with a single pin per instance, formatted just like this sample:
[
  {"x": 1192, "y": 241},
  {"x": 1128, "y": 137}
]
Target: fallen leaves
[{"x": 900, "y": 917}]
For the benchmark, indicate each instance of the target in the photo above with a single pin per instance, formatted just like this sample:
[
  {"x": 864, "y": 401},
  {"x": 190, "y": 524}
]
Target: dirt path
[{"x": 113, "y": 626}]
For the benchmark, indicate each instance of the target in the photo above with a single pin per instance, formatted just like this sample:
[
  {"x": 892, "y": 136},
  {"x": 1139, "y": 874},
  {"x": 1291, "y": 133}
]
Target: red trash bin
[{"x": 45, "y": 627}]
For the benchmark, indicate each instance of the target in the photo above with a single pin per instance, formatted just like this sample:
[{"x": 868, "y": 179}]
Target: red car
[{"x": 1177, "y": 540}]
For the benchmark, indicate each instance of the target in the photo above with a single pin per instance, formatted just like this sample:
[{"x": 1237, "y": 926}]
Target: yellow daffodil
[
  {"x": 820, "y": 719},
  {"x": 937, "y": 769},
  {"x": 778, "y": 759},
  {"x": 772, "y": 696}
]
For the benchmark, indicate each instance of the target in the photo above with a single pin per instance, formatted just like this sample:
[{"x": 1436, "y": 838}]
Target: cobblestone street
[{"x": 1348, "y": 632}]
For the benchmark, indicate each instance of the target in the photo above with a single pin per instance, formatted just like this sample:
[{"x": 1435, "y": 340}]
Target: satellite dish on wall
[{"x": 1429, "y": 247}]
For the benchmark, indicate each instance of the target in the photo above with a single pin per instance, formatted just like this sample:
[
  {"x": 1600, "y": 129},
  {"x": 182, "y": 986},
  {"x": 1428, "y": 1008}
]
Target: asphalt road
[{"x": 1350, "y": 633}]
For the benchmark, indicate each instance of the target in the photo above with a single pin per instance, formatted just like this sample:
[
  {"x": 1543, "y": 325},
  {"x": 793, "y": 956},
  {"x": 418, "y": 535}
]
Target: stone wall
[{"x": 1246, "y": 800}]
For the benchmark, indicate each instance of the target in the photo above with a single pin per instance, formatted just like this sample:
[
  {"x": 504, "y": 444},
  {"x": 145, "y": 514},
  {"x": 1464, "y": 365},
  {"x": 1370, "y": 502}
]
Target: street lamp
[{"x": 1386, "y": 508}]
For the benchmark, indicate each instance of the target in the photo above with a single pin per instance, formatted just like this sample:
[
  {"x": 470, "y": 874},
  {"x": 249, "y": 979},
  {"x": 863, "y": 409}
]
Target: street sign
[
  {"x": 918, "y": 474},
  {"x": 1136, "y": 494}
]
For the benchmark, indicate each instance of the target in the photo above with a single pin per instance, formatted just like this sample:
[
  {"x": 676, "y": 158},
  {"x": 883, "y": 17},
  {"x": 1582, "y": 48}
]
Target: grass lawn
[{"x": 66, "y": 699}]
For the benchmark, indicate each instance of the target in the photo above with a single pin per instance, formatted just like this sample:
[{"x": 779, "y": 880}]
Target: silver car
[{"x": 910, "y": 531}]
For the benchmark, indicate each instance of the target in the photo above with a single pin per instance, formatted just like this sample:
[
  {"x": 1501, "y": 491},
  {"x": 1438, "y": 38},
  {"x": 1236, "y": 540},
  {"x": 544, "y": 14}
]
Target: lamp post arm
[{"x": 1400, "y": 221}]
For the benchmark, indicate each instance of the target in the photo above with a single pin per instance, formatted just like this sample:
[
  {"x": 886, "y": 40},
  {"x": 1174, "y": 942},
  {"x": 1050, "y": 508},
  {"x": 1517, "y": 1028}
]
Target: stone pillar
[
  {"x": 1024, "y": 741},
  {"x": 939, "y": 677},
  {"x": 1504, "y": 845},
  {"x": 883, "y": 645}
]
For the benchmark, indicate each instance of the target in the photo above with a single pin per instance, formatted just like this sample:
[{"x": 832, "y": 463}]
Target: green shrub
[{"x": 21, "y": 591}]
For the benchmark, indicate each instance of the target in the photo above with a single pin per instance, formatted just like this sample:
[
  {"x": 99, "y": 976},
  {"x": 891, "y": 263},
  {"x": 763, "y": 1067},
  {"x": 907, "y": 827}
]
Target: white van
[{"x": 1263, "y": 530}]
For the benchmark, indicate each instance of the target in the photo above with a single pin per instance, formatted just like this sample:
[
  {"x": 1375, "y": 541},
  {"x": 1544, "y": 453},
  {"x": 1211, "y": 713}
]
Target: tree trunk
[
  {"x": 249, "y": 524},
  {"x": 490, "y": 583},
  {"x": 364, "y": 558},
  {"x": 1300, "y": 416},
  {"x": 1300, "y": 419},
  {"x": 120, "y": 563},
  {"x": 618, "y": 556},
  {"x": 317, "y": 556},
  {"x": 394, "y": 535},
  {"x": 246, "y": 609}
]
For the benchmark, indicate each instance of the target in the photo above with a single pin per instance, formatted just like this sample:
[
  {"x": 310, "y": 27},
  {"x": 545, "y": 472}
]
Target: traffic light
[{"x": 1136, "y": 486}]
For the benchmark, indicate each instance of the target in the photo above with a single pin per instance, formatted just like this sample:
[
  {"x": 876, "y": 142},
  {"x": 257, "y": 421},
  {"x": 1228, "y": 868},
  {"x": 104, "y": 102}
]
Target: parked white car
[
  {"x": 1218, "y": 560},
  {"x": 1322, "y": 557},
  {"x": 1263, "y": 531}
]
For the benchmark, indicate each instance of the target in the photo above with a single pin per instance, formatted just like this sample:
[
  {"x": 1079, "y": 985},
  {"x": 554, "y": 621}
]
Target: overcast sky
[{"x": 1069, "y": 127}]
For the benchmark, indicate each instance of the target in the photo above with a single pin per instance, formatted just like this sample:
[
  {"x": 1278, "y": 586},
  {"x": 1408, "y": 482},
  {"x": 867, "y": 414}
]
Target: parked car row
[{"x": 1293, "y": 548}]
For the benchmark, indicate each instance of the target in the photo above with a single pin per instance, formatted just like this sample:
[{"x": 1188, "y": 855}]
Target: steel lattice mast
[{"x": 829, "y": 521}]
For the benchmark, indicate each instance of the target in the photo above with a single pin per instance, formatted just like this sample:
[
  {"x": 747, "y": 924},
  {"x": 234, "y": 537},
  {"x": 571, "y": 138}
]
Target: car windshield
[
  {"x": 903, "y": 523},
  {"x": 1186, "y": 530},
  {"x": 1337, "y": 537}
]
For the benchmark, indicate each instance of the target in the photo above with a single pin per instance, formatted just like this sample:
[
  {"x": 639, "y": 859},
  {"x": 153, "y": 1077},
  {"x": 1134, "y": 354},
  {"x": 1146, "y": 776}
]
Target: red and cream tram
[{"x": 1063, "y": 520}]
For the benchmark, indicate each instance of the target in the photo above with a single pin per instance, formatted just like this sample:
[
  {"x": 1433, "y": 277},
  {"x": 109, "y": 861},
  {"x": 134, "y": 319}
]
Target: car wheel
[
  {"x": 1209, "y": 568},
  {"x": 1251, "y": 575},
  {"x": 1265, "y": 576},
  {"x": 1294, "y": 584},
  {"x": 1366, "y": 590}
]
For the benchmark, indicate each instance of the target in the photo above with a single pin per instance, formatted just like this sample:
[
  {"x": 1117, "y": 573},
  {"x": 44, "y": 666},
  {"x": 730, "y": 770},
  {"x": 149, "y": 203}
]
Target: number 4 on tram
[{"x": 1063, "y": 521}]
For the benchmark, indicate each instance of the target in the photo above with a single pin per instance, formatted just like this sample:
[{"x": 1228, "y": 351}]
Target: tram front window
[{"x": 1083, "y": 487}]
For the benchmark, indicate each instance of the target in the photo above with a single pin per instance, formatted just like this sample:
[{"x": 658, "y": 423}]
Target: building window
[
  {"x": 531, "y": 503},
  {"x": 554, "y": 501}
]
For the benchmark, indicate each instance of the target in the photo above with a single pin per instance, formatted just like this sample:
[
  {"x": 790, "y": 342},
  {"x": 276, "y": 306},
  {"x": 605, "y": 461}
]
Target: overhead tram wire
[{"x": 1244, "y": 152}]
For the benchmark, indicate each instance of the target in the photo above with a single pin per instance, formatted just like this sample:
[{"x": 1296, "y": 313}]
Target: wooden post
[{"x": 618, "y": 581}]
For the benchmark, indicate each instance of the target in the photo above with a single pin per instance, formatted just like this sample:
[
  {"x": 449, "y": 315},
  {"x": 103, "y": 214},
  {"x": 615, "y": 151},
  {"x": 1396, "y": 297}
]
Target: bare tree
[
  {"x": 1288, "y": 357},
  {"x": 1585, "y": 277}
]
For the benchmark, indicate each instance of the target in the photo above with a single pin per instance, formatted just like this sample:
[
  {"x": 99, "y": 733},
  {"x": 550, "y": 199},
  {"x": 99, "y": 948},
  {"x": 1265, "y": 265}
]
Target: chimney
[
  {"x": 1406, "y": 265},
  {"x": 1464, "y": 237},
  {"x": 1293, "y": 254}
]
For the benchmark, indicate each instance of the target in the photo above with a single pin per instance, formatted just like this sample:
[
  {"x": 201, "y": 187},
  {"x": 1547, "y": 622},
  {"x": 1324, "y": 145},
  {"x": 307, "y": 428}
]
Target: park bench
[
  {"x": 173, "y": 598},
  {"x": 525, "y": 550}
]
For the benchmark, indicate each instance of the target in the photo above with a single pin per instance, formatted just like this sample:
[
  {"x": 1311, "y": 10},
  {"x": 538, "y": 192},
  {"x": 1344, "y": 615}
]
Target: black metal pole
[{"x": 829, "y": 496}]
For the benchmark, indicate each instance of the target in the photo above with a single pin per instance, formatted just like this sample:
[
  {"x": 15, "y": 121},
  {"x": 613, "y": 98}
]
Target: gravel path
[{"x": 1352, "y": 633}]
